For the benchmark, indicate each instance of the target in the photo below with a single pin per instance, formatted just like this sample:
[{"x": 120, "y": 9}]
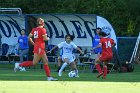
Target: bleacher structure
[
  {"x": 11, "y": 11},
  {"x": 88, "y": 60}
]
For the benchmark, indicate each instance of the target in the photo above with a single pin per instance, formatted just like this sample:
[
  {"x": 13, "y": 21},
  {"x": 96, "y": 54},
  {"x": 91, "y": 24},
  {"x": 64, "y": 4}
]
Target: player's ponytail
[
  {"x": 72, "y": 37},
  {"x": 103, "y": 34}
]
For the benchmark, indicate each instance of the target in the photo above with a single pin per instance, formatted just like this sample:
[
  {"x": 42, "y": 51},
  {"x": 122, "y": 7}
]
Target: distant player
[
  {"x": 67, "y": 56},
  {"x": 23, "y": 47},
  {"x": 106, "y": 55},
  {"x": 0, "y": 44},
  {"x": 59, "y": 59},
  {"x": 96, "y": 41},
  {"x": 40, "y": 35}
]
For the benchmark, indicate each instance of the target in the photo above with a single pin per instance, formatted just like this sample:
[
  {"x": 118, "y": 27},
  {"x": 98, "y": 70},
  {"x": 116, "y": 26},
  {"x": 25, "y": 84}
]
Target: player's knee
[
  {"x": 34, "y": 63},
  {"x": 73, "y": 64}
]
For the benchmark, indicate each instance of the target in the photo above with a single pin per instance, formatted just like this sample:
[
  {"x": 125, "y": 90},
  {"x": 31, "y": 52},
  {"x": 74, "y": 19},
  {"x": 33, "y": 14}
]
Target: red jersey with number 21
[
  {"x": 38, "y": 33},
  {"x": 106, "y": 49}
]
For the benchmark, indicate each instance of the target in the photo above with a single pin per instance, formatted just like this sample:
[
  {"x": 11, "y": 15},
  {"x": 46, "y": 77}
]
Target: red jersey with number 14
[{"x": 106, "y": 48}]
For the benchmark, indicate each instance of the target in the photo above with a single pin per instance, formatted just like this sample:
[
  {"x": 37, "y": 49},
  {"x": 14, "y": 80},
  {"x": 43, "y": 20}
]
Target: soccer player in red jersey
[
  {"x": 40, "y": 35},
  {"x": 106, "y": 55}
]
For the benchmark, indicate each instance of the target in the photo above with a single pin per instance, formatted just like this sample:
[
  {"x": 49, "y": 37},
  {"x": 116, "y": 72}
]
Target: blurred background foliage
[{"x": 124, "y": 15}]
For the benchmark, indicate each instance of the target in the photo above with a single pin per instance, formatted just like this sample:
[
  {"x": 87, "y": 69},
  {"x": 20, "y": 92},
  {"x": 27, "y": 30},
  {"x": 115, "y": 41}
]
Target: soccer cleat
[
  {"x": 77, "y": 76},
  {"x": 100, "y": 74},
  {"x": 103, "y": 77},
  {"x": 59, "y": 73},
  {"x": 16, "y": 67},
  {"x": 52, "y": 79}
]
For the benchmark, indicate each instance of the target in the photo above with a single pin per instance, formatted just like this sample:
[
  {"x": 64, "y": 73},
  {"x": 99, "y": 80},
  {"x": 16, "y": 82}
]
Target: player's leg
[
  {"x": 38, "y": 52},
  {"x": 23, "y": 52},
  {"x": 59, "y": 63},
  {"x": 66, "y": 62},
  {"x": 106, "y": 60},
  {"x": 21, "y": 55},
  {"x": 98, "y": 67},
  {"x": 36, "y": 59},
  {"x": 21, "y": 58},
  {"x": 104, "y": 69},
  {"x": 46, "y": 68},
  {"x": 74, "y": 67}
]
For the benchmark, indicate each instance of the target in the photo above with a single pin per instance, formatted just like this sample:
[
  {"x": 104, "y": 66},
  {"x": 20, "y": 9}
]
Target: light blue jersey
[{"x": 67, "y": 48}]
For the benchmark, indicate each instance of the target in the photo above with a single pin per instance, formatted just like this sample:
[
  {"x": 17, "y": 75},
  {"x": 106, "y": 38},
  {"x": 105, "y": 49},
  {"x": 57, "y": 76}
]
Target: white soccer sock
[
  {"x": 63, "y": 66},
  {"x": 20, "y": 68},
  {"x": 76, "y": 71}
]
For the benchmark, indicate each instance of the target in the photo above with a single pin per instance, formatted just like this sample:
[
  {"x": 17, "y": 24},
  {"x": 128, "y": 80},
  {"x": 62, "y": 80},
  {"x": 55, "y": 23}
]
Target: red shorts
[
  {"x": 105, "y": 58},
  {"x": 39, "y": 50}
]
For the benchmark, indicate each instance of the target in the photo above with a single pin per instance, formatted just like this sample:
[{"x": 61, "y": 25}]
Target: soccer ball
[{"x": 72, "y": 74}]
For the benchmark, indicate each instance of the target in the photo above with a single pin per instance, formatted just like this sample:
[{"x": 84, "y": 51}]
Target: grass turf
[{"x": 35, "y": 81}]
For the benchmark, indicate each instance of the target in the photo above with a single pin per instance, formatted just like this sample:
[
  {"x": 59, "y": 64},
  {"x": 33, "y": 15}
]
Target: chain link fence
[{"x": 125, "y": 47}]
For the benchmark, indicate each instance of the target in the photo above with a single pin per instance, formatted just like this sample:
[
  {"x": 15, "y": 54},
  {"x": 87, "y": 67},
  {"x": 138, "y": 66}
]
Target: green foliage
[{"x": 122, "y": 14}]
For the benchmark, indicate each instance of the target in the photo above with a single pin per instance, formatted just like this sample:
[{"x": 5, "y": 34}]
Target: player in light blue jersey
[{"x": 67, "y": 47}]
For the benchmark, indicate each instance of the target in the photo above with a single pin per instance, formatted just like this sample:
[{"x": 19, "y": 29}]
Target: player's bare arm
[
  {"x": 52, "y": 49},
  {"x": 45, "y": 37},
  {"x": 81, "y": 52},
  {"x": 30, "y": 38},
  {"x": 97, "y": 46},
  {"x": 114, "y": 45}
]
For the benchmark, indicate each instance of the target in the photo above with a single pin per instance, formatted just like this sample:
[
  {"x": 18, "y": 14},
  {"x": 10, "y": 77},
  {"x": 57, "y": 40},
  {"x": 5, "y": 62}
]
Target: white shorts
[{"x": 70, "y": 58}]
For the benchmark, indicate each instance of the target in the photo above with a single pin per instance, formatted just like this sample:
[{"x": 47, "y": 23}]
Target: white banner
[
  {"x": 80, "y": 26},
  {"x": 10, "y": 27},
  {"x": 106, "y": 26},
  {"x": 57, "y": 25}
]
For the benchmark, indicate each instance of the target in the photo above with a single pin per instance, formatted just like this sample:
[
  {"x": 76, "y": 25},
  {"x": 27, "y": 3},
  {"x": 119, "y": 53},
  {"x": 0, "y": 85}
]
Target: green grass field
[{"x": 35, "y": 81}]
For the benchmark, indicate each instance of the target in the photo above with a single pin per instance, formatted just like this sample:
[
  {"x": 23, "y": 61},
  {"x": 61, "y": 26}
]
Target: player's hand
[
  {"x": 33, "y": 43},
  {"x": 82, "y": 54},
  {"x": 48, "y": 38},
  {"x": 93, "y": 48}
]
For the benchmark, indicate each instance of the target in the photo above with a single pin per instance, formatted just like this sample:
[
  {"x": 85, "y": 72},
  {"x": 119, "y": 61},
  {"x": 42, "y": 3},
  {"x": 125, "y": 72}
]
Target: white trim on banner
[{"x": 10, "y": 27}]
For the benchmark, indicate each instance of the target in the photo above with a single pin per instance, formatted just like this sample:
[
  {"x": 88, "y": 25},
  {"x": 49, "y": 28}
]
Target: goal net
[{"x": 136, "y": 53}]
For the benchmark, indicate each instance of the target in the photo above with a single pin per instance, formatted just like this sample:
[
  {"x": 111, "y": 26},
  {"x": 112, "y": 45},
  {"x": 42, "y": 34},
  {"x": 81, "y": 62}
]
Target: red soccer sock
[
  {"x": 98, "y": 68},
  {"x": 47, "y": 70},
  {"x": 105, "y": 71},
  {"x": 26, "y": 64}
]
